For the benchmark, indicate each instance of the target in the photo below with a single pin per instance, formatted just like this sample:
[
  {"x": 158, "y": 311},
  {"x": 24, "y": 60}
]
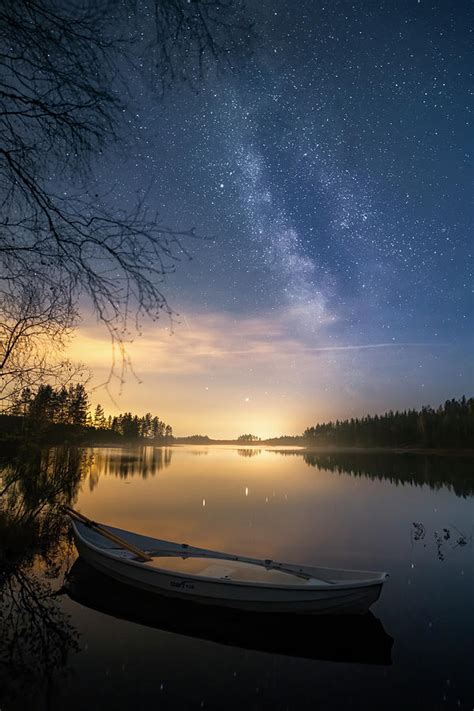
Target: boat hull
[
  {"x": 331, "y": 599},
  {"x": 358, "y": 639}
]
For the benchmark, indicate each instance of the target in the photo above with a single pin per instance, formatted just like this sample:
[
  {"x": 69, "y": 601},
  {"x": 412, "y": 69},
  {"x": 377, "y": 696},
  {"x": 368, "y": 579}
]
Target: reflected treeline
[
  {"x": 414, "y": 469},
  {"x": 249, "y": 452},
  {"x": 36, "y": 636},
  {"x": 125, "y": 462},
  {"x": 37, "y": 479}
]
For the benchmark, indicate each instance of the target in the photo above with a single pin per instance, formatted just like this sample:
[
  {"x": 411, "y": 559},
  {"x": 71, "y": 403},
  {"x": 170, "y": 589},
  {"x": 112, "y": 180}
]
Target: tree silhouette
[
  {"x": 32, "y": 317},
  {"x": 62, "y": 84},
  {"x": 451, "y": 425},
  {"x": 99, "y": 417},
  {"x": 248, "y": 438}
]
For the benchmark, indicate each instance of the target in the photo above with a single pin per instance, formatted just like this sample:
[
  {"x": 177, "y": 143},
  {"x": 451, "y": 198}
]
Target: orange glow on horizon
[
  {"x": 215, "y": 377},
  {"x": 223, "y": 375}
]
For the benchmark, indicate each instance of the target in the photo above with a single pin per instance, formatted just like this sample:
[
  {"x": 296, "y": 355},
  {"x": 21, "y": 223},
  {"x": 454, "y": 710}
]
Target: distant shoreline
[
  {"x": 381, "y": 450},
  {"x": 11, "y": 444},
  {"x": 291, "y": 449}
]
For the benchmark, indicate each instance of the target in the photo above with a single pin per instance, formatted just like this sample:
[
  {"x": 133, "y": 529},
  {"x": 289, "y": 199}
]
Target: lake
[{"x": 93, "y": 646}]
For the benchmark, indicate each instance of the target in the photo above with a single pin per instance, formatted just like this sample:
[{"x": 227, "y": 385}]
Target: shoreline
[
  {"x": 382, "y": 450},
  {"x": 293, "y": 449},
  {"x": 11, "y": 445}
]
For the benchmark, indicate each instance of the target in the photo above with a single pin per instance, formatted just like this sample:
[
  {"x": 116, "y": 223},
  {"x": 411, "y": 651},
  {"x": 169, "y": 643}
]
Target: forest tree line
[
  {"x": 49, "y": 406},
  {"x": 450, "y": 425}
]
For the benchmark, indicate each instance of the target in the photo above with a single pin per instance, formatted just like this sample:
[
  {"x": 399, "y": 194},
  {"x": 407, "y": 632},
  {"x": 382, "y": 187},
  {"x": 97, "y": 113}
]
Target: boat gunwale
[{"x": 336, "y": 586}]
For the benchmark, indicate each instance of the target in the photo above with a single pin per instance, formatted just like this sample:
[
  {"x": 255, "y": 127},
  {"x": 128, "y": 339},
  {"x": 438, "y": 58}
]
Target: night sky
[{"x": 330, "y": 175}]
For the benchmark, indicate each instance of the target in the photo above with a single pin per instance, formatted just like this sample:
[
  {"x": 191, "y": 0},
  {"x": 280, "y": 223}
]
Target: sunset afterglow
[{"x": 221, "y": 374}]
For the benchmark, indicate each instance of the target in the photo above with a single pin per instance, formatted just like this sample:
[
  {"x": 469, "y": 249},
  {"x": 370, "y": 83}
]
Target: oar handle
[{"x": 107, "y": 534}]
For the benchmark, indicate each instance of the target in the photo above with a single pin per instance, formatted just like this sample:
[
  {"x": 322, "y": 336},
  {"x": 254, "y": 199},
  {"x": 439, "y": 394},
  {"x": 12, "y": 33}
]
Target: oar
[
  {"x": 107, "y": 534},
  {"x": 186, "y": 552},
  {"x": 268, "y": 564},
  {"x": 271, "y": 565}
]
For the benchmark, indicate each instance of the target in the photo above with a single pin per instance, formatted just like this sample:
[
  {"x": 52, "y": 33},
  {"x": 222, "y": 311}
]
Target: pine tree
[
  {"x": 99, "y": 418},
  {"x": 78, "y": 404},
  {"x": 22, "y": 403}
]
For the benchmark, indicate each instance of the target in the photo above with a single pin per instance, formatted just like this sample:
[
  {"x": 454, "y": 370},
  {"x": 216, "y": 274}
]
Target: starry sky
[{"x": 329, "y": 177}]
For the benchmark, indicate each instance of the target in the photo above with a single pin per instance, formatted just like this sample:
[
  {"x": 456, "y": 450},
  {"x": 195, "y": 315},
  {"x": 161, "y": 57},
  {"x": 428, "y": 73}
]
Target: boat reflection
[{"x": 359, "y": 638}]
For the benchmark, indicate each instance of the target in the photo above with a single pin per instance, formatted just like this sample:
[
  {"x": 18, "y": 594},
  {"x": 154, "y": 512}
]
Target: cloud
[
  {"x": 197, "y": 343},
  {"x": 221, "y": 373},
  {"x": 202, "y": 343}
]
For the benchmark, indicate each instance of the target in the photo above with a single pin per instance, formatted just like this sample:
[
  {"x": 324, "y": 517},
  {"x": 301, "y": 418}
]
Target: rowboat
[
  {"x": 359, "y": 639},
  {"x": 220, "y": 579}
]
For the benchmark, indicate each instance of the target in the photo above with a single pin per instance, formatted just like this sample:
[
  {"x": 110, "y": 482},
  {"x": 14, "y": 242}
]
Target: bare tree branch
[{"x": 61, "y": 89}]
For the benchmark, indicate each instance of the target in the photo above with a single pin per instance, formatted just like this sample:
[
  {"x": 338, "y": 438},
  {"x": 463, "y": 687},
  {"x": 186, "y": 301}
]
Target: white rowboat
[
  {"x": 222, "y": 579},
  {"x": 359, "y": 639}
]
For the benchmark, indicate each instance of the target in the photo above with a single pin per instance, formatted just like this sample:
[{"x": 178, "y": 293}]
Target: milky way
[
  {"x": 331, "y": 170},
  {"x": 283, "y": 250}
]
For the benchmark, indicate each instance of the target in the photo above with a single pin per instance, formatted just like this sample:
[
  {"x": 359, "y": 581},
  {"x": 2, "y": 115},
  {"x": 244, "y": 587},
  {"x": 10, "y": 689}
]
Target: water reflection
[
  {"x": 435, "y": 471},
  {"x": 357, "y": 638},
  {"x": 293, "y": 507},
  {"x": 36, "y": 635},
  {"x": 249, "y": 452},
  {"x": 37, "y": 479},
  {"x": 125, "y": 462}
]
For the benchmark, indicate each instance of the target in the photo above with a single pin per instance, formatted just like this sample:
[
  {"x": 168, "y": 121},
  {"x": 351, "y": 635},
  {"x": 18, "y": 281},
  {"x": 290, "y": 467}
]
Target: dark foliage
[
  {"x": 134, "y": 427},
  {"x": 46, "y": 407},
  {"x": 449, "y": 426},
  {"x": 62, "y": 414}
]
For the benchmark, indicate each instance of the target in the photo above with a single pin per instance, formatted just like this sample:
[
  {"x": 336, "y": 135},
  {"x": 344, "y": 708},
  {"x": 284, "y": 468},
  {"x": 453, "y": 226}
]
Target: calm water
[{"x": 411, "y": 516}]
